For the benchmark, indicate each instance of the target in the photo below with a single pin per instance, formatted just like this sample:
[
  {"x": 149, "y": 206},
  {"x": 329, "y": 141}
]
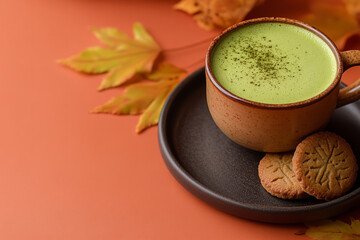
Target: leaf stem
[{"x": 189, "y": 46}]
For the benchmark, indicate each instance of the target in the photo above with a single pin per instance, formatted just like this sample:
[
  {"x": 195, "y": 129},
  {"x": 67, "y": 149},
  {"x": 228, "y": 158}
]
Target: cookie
[
  {"x": 277, "y": 176},
  {"x": 325, "y": 165}
]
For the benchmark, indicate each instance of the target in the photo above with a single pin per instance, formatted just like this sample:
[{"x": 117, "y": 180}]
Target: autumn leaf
[
  {"x": 190, "y": 6},
  {"x": 94, "y": 60},
  {"x": 112, "y": 37},
  {"x": 212, "y": 14},
  {"x": 123, "y": 57},
  {"x": 353, "y": 7},
  {"x": 334, "y": 230},
  {"x": 141, "y": 98},
  {"x": 166, "y": 71},
  {"x": 146, "y": 98},
  {"x": 333, "y": 19}
]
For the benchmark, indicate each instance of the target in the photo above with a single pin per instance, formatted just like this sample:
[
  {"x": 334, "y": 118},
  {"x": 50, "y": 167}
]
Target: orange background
[{"x": 68, "y": 174}]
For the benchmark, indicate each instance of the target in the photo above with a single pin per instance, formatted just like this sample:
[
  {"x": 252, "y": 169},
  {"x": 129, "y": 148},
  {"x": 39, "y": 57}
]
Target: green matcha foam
[{"x": 273, "y": 63}]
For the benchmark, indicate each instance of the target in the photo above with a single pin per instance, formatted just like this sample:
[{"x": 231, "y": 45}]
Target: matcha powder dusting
[{"x": 273, "y": 63}]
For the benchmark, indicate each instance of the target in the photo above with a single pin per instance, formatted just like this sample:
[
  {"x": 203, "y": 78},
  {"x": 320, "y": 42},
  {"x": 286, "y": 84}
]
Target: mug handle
[{"x": 350, "y": 93}]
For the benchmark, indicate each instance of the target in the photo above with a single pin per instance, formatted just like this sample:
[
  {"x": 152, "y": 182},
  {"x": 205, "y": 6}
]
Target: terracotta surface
[
  {"x": 276, "y": 127},
  {"x": 68, "y": 174}
]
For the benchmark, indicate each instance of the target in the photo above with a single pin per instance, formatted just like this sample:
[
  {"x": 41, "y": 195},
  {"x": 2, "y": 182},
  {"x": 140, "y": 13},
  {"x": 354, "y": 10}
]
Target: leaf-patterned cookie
[
  {"x": 277, "y": 176},
  {"x": 325, "y": 165}
]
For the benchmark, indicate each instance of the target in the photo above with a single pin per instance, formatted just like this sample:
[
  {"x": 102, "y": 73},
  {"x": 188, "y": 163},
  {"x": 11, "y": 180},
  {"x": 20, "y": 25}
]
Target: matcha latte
[{"x": 274, "y": 63}]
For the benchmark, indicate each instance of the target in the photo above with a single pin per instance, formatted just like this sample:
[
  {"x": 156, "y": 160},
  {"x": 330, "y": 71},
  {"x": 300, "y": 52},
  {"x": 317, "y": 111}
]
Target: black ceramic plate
[{"x": 223, "y": 174}]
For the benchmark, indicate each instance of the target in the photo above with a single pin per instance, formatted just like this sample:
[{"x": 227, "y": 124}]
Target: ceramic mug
[{"x": 278, "y": 127}]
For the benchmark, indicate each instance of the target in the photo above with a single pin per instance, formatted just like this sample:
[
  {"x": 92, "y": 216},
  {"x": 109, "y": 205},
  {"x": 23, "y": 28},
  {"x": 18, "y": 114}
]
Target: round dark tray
[{"x": 223, "y": 174}]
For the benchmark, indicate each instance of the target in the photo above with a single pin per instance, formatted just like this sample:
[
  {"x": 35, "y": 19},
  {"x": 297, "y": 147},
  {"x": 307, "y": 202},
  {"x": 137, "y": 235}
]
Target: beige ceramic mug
[{"x": 278, "y": 127}]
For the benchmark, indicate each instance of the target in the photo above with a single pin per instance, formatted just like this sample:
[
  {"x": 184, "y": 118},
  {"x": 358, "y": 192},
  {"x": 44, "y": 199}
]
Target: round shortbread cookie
[
  {"x": 277, "y": 176},
  {"x": 325, "y": 165}
]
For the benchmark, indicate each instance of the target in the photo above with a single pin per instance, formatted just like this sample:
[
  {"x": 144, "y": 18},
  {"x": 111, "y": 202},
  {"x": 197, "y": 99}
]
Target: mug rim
[{"x": 298, "y": 104}]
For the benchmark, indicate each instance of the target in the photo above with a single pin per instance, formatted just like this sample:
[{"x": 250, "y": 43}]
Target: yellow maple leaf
[
  {"x": 333, "y": 19},
  {"x": 123, "y": 58},
  {"x": 334, "y": 230},
  {"x": 146, "y": 98},
  {"x": 212, "y": 14},
  {"x": 112, "y": 37},
  {"x": 166, "y": 71}
]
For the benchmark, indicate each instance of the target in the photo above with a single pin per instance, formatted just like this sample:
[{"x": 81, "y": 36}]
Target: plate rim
[{"x": 213, "y": 198}]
